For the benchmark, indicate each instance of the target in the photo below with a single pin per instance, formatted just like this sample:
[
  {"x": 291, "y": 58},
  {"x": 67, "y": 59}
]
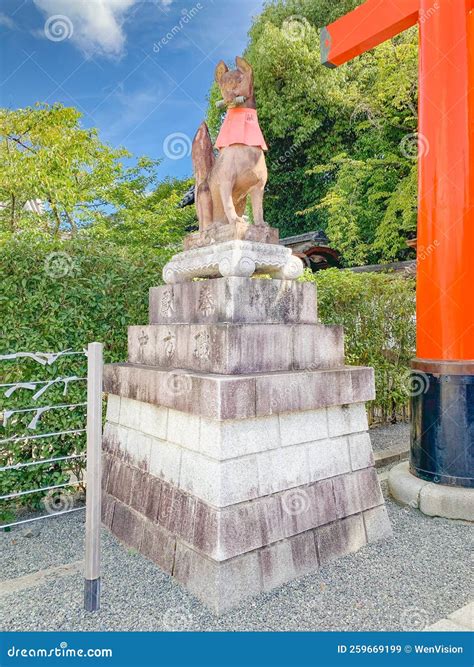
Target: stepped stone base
[
  {"x": 236, "y": 447},
  {"x": 233, "y": 508},
  {"x": 222, "y": 585},
  {"x": 240, "y": 396}
]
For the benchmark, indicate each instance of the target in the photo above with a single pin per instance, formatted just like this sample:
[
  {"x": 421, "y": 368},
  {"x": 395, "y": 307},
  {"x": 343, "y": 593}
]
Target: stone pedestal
[
  {"x": 233, "y": 258},
  {"x": 237, "y": 454}
]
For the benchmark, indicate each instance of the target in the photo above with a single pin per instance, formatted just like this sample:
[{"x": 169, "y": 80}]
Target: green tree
[
  {"x": 146, "y": 214},
  {"x": 341, "y": 140},
  {"x": 86, "y": 185}
]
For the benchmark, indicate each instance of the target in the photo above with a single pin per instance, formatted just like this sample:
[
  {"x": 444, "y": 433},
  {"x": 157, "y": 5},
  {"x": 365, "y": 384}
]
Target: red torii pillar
[{"x": 443, "y": 409}]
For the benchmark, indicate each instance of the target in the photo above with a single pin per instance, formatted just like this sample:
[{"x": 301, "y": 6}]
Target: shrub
[
  {"x": 378, "y": 314},
  {"x": 60, "y": 295}
]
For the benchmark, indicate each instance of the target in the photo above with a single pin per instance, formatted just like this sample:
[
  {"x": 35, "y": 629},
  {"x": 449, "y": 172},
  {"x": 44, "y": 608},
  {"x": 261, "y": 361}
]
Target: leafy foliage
[
  {"x": 104, "y": 291},
  {"x": 377, "y": 312},
  {"x": 151, "y": 220},
  {"x": 341, "y": 159},
  {"x": 337, "y": 160},
  {"x": 83, "y": 183}
]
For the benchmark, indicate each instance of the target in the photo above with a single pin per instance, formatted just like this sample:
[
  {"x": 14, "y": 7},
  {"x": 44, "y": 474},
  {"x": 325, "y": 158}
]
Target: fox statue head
[{"x": 236, "y": 85}]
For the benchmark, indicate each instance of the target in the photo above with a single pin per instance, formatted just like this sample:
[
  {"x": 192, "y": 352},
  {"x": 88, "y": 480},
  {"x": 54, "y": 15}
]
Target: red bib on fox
[{"x": 241, "y": 127}]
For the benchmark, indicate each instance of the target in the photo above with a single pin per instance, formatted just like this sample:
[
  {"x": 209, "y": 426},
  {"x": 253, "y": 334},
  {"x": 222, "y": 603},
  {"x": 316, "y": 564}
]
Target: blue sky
[{"x": 139, "y": 70}]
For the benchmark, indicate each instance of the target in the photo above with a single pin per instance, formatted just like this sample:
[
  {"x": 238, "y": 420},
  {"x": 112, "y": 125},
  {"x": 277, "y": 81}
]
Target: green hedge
[
  {"x": 57, "y": 296},
  {"x": 60, "y": 295},
  {"x": 378, "y": 314}
]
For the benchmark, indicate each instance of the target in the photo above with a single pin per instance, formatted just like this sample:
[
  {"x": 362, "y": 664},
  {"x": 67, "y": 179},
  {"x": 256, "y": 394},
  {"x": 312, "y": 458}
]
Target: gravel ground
[
  {"x": 410, "y": 581},
  {"x": 385, "y": 437}
]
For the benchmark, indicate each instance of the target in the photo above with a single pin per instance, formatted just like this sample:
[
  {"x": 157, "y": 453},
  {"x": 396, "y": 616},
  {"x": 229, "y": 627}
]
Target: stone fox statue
[{"x": 223, "y": 182}]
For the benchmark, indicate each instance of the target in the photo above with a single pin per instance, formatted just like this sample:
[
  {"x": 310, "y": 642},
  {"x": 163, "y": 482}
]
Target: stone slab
[
  {"x": 464, "y": 616},
  {"x": 223, "y": 533},
  {"x": 220, "y": 586},
  {"x": 305, "y": 426},
  {"x": 228, "y": 439},
  {"x": 234, "y": 300},
  {"x": 377, "y": 524},
  {"x": 360, "y": 450},
  {"x": 228, "y": 397},
  {"x": 233, "y": 258},
  {"x": 309, "y": 390},
  {"x": 340, "y": 538},
  {"x": 219, "y": 483},
  {"x": 440, "y": 500},
  {"x": 229, "y": 349},
  {"x": 445, "y": 625},
  {"x": 232, "y": 231},
  {"x": 113, "y": 409},
  {"x": 345, "y": 419},
  {"x": 223, "y": 482},
  {"x": 328, "y": 458},
  {"x": 404, "y": 486}
]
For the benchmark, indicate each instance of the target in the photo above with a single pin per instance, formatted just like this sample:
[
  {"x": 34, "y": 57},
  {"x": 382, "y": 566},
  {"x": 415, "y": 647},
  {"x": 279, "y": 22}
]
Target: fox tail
[{"x": 203, "y": 161}]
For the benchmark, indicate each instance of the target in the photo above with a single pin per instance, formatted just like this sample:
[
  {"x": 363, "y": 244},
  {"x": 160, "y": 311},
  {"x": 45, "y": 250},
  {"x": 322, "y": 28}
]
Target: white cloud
[
  {"x": 6, "y": 21},
  {"x": 97, "y": 25}
]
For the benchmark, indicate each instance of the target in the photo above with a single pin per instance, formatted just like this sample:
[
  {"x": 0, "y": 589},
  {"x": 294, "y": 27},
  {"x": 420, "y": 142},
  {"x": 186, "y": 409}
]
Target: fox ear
[
  {"x": 221, "y": 69},
  {"x": 243, "y": 65}
]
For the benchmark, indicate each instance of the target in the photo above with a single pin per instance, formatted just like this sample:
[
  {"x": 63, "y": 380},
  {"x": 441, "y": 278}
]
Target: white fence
[{"x": 93, "y": 429}]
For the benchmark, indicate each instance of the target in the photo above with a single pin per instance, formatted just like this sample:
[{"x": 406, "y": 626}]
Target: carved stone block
[
  {"x": 230, "y": 349},
  {"x": 233, "y": 258},
  {"x": 234, "y": 300}
]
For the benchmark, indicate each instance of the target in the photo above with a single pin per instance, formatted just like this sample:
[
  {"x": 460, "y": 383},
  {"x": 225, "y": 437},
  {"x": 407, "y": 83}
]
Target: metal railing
[{"x": 93, "y": 430}]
